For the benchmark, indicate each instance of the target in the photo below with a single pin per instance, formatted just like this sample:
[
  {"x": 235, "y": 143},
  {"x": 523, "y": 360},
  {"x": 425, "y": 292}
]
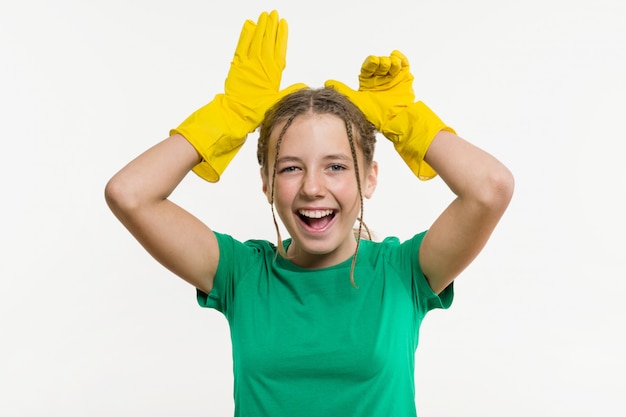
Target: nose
[{"x": 313, "y": 184}]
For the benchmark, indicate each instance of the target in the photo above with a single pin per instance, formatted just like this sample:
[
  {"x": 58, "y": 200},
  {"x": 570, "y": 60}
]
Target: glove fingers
[
  {"x": 280, "y": 52},
  {"x": 245, "y": 38},
  {"x": 370, "y": 65},
  {"x": 395, "y": 66},
  {"x": 256, "y": 46},
  {"x": 270, "y": 36},
  {"x": 383, "y": 66},
  {"x": 403, "y": 59}
]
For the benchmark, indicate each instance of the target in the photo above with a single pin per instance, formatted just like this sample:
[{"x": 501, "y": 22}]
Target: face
[{"x": 316, "y": 193}]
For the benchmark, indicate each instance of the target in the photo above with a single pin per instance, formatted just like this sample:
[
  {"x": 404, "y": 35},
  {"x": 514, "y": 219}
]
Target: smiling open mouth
[{"x": 316, "y": 219}]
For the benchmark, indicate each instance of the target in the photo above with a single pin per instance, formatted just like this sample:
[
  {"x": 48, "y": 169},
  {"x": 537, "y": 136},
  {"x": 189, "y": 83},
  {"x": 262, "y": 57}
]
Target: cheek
[
  {"x": 284, "y": 194},
  {"x": 349, "y": 189},
  {"x": 346, "y": 191}
]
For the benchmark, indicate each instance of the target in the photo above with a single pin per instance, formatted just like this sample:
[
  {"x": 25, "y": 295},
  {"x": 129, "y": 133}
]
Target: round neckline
[{"x": 287, "y": 264}]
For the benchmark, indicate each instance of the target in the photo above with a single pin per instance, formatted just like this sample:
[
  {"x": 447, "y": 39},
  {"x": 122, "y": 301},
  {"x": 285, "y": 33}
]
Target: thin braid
[
  {"x": 281, "y": 248},
  {"x": 360, "y": 132},
  {"x": 358, "y": 183},
  {"x": 367, "y": 229}
]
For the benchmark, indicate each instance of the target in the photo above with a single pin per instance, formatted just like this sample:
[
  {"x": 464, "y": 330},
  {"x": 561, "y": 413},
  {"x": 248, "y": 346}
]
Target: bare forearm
[
  {"x": 138, "y": 196},
  {"x": 154, "y": 174},
  {"x": 470, "y": 172},
  {"x": 483, "y": 186}
]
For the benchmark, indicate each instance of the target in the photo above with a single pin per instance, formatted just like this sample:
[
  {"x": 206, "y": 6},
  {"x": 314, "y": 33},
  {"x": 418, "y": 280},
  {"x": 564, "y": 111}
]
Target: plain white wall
[{"x": 91, "y": 325}]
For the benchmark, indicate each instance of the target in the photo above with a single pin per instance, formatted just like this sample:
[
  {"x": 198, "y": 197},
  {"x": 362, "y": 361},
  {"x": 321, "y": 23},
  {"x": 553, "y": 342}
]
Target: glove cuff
[
  {"x": 217, "y": 134},
  {"x": 412, "y": 131}
]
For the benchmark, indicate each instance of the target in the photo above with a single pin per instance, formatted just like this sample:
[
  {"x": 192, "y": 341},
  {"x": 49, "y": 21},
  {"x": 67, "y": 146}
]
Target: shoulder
[
  {"x": 240, "y": 259},
  {"x": 401, "y": 255},
  {"x": 392, "y": 244},
  {"x": 226, "y": 241},
  {"x": 238, "y": 256}
]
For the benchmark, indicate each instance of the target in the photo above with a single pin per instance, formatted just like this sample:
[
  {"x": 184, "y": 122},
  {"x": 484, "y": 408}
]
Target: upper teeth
[{"x": 315, "y": 214}]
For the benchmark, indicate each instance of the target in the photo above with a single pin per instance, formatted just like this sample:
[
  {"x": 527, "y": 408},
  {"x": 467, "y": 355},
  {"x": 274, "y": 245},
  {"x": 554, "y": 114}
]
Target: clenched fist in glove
[
  {"x": 386, "y": 97},
  {"x": 385, "y": 88},
  {"x": 219, "y": 129}
]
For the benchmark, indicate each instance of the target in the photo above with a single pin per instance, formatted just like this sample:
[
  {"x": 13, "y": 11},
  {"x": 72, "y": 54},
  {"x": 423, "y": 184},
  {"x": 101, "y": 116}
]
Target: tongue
[{"x": 320, "y": 223}]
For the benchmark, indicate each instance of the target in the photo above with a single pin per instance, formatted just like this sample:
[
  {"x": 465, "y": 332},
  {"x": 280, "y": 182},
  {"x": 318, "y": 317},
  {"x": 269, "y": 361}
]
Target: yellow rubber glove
[
  {"x": 386, "y": 98},
  {"x": 385, "y": 88},
  {"x": 219, "y": 129},
  {"x": 411, "y": 132}
]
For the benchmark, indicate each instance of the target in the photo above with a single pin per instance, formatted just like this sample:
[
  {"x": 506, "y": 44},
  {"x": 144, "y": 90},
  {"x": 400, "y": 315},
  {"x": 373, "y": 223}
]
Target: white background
[{"x": 90, "y": 325}]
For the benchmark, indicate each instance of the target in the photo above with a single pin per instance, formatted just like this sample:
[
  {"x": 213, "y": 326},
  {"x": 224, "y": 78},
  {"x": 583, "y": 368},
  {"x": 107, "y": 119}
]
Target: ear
[
  {"x": 266, "y": 185},
  {"x": 371, "y": 180}
]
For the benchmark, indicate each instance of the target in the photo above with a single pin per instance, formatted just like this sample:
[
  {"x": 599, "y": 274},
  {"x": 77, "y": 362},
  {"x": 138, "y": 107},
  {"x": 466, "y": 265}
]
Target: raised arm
[
  {"x": 483, "y": 185},
  {"x": 138, "y": 196},
  {"x": 205, "y": 142}
]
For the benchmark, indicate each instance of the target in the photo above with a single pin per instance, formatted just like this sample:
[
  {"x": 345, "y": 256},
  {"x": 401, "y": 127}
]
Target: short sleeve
[
  {"x": 407, "y": 257},
  {"x": 235, "y": 259}
]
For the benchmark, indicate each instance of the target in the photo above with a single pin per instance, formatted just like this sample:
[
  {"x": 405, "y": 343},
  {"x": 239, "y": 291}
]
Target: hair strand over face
[{"x": 360, "y": 132}]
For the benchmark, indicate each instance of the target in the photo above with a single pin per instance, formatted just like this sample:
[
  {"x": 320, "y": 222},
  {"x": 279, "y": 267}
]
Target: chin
[{"x": 328, "y": 247}]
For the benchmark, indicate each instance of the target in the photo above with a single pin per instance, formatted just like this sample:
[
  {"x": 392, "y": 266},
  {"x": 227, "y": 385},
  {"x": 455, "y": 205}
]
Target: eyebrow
[
  {"x": 340, "y": 156},
  {"x": 331, "y": 157}
]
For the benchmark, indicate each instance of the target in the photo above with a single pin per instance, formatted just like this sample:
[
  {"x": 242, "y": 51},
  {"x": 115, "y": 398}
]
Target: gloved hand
[
  {"x": 386, "y": 97},
  {"x": 385, "y": 88},
  {"x": 219, "y": 129}
]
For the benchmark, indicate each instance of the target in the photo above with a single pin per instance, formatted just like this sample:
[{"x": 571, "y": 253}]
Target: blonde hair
[{"x": 360, "y": 132}]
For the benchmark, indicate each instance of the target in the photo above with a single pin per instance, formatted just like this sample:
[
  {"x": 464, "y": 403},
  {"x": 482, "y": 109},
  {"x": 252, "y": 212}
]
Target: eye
[
  {"x": 336, "y": 167},
  {"x": 288, "y": 169}
]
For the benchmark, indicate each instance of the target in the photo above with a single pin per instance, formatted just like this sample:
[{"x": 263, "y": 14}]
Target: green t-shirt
[{"x": 307, "y": 343}]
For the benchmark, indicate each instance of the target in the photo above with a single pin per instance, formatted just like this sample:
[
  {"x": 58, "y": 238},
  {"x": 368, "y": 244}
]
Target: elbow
[
  {"x": 497, "y": 192},
  {"x": 119, "y": 196}
]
